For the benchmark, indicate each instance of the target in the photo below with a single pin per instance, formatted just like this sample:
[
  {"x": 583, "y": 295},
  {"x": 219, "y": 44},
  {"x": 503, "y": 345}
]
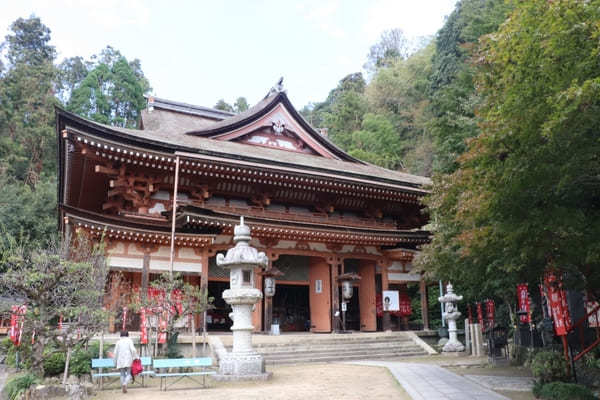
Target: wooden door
[
  {"x": 366, "y": 295},
  {"x": 320, "y": 295}
]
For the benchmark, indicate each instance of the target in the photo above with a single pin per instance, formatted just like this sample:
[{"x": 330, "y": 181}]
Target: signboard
[
  {"x": 318, "y": 286},
  {"x": 523, "y": 303},
  {"x": 391, "y": 300}
]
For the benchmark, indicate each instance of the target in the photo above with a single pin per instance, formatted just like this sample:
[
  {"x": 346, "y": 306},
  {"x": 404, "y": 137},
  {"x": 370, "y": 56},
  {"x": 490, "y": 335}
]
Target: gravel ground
[{"x": 319, "y": 381}]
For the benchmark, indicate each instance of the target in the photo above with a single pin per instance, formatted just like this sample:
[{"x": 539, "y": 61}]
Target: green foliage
[
  {"x": 240, "y": 105},
  {"x": 399, "y": 92},
  {"x": 27, "y": 132},
  {"x": 112, "y": 92},
  {"x": 377, "y": 142},
  {"x": 54, "y": 363},
  {"x": 24, "y": 351},
  {"x": 172, "y": 346},
  {"x": 17, "y": 385},
  {"x": 223, "y": 105},
  {"x": 65, "y": 280},
  {"x": 549, "y": 366},
  {"x": 29, "y": 42},
  {"x": 28, "y": 214},
  {"x": 562, "y": 391},
  {"x": 452, "y": 92},
  {"x": 526, "y": 195},
  {"x": 81, "y": 359}
]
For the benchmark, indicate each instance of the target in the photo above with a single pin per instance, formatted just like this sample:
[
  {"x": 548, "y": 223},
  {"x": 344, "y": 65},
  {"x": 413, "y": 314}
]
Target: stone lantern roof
[{"x": 242, "y": 255}]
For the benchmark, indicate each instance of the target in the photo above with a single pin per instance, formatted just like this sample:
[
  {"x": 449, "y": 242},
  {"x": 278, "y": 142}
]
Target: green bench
[
  {"x": 203, "y": 364},
  {"x": 109, "y": 364}
]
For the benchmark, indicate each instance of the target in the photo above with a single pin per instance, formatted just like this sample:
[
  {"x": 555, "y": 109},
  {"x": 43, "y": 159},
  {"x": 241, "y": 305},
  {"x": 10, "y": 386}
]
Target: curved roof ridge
[
  {"x": 172, "y": 105},
  {"x": 260, "y": 109}
]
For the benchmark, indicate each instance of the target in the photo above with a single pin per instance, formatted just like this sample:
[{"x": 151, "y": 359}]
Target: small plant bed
[{"x": 562, "y": 391}]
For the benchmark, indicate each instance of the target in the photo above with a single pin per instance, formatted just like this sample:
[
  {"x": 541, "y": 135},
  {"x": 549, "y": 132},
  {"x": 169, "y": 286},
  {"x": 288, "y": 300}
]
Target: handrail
[{"x": 581, "y": 320}]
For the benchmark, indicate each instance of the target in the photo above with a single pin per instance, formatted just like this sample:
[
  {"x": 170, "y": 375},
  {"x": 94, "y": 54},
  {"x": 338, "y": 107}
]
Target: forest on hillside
[{"x": 500, "y": 108}]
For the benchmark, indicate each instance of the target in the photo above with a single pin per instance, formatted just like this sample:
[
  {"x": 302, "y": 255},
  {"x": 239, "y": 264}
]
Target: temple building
[{"x": 318, "y": 213}]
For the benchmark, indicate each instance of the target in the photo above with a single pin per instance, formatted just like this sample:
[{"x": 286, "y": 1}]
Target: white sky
[{"x": 200, "y": 51}]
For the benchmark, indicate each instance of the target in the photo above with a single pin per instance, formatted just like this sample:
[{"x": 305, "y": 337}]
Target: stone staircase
[{"x": 315, "y": 348}]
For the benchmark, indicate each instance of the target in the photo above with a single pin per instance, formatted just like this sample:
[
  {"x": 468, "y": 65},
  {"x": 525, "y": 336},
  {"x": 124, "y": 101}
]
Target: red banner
[
  {"x": 556, "y": 304},
  {"x": 490, "y": 310},
  {"x": 19, "y": 324},
  {"x": 162, "y": 327},
  {"x": 565, "y": 307},
  {"x": 143, "y": 327},
  {"x": 523, "y": 303},
  {"x": 480, "y": 315},
  {"x": 405, "y": 306},
  {"x": 13, "y": 333}
]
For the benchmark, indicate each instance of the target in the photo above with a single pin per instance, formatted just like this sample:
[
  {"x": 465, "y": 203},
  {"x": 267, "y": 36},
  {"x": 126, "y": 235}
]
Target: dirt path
[{"x": 319, "y": 381}]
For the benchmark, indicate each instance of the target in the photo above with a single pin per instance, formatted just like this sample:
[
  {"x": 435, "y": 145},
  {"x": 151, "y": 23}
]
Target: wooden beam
[{"x": 101, "y": 169}]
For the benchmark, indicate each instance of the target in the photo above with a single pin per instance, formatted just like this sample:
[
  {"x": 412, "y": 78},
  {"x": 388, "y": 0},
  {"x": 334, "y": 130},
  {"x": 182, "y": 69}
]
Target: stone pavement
[
  {"x": 432, "y": 382},
  {"x": 514, "y": 383}
]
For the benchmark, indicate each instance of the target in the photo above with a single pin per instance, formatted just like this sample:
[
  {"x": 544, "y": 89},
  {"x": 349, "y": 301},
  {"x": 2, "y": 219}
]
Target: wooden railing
[{"x": 579, "y": 328}]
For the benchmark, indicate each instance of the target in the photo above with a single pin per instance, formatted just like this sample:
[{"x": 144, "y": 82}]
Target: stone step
[
  {"x": 350, "y": 357},
  {"x": 315, "y": 348},
  {"x": 338, "y": 341},
  {"x": 326, "y": 353}
]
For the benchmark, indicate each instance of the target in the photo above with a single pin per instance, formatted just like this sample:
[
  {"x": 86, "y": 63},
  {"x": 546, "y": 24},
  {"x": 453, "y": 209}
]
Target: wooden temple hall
[{"x": 319, "y": 214}]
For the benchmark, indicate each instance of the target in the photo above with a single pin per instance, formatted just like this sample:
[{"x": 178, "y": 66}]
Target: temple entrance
[
  {"x": 363, "y": 297},
  {"x": 352, "y": 310},
  {"x": 218, "y": 319},
  {"x": 291, "y": 308}
]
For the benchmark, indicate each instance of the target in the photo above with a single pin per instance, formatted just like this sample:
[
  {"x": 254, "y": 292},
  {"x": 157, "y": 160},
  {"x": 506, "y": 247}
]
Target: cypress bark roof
[{"x": 173, "y": 141}]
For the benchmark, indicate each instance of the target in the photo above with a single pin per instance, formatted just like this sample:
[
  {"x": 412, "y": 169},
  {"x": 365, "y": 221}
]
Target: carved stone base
[
  {"x": 452, "y": 347},
  {"x": 242, "y": 367}
]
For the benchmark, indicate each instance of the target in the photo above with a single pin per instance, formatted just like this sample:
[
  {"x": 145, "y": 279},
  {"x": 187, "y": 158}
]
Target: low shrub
[
  {"x": 81, "y": 361},
  {"x": 17, "y": 385},
  {"x": 24, "y": 351},
  {"x": 562, "y": 391},
  {"x": 549, "y": 366},
  {"x": 54, "y": 363}
]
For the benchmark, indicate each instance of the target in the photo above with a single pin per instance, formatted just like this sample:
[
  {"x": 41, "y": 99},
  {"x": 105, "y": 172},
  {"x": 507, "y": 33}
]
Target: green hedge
[
  {"x": 549, "y": 366},
  {"x": 562, "y": 391}
]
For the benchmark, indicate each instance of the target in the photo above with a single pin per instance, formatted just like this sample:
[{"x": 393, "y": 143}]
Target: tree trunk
[
  {"x": 67, "y": 360},
  {"x": 204, "y": 334},
  {"x": 37, "y": 357},
  {"x": 193, "y": 336}
]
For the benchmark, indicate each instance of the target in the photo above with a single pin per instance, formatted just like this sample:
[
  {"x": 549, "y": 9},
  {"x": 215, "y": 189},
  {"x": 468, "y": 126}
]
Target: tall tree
[
  {"x": 526, "y": 196},
  {"x": 65, "y": 280},
  {"x": 223, "y": 106},
  {"x": 452, "y": 91},
  {"x": 27, "y": 143},
  {"x": 392, "y": 46},
  {"x": 241, "y": 105},
  {"x": 399, "y": 93},
  {"x": 112, "y": 92}
]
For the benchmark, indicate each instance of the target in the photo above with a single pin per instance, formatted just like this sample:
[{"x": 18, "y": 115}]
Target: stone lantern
[
  {"x": 270, "y": 283},
  {"x": 347, "y": 280},
  {"x": 451, "y": 315},
  {"x": 241, "y": 260}
]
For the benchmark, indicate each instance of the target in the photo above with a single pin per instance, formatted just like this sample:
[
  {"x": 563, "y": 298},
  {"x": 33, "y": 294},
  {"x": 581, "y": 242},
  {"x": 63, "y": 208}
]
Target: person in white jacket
[{"x": 124, "y": 355}]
